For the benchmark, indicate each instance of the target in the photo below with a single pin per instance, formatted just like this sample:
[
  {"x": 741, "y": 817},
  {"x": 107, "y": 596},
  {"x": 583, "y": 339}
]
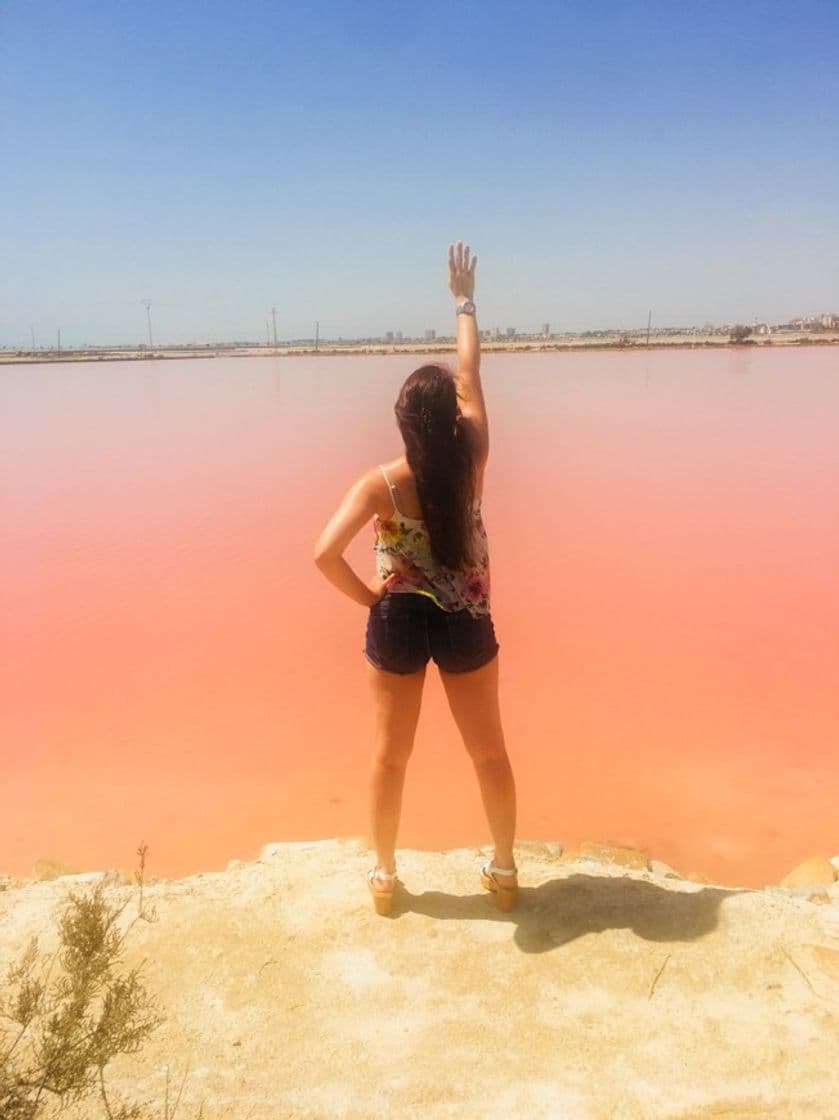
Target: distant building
[
  {"x": 399, "y": 336},
  {"x": 546, "y": 329},
  {"x": 496, "y": 333},
  {"x": 511, "y": 332},
  {"x": 430, "y": 335},
  {"x": 389, "y": 336}
]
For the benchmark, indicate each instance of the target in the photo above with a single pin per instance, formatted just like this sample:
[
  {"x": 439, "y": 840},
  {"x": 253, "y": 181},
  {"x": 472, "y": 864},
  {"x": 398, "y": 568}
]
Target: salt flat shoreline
[
  {"x": 610, "y": 992},
  {"x": 446, "y": 346},
  {"x": 816, "y": 875}
]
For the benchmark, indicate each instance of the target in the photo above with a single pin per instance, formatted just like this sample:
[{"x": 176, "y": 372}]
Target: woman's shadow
[{"x": 560, "y": 910}]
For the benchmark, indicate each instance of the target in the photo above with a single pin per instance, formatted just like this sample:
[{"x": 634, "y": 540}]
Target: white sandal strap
[
  {"x": 500, "y": 870},
  {"x": 377, "y": 873}
]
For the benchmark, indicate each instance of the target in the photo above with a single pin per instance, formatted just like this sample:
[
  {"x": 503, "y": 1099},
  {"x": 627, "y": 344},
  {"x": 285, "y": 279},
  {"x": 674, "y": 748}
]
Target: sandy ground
[{"x": 612, "y": 992}]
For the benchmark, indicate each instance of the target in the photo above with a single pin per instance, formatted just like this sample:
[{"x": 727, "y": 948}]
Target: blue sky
[{"x": 601, "y": 158}]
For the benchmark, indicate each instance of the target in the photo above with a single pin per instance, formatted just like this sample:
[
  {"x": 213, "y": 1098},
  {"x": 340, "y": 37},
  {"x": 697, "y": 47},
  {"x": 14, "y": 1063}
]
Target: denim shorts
[{"x": 404, "y": 629}]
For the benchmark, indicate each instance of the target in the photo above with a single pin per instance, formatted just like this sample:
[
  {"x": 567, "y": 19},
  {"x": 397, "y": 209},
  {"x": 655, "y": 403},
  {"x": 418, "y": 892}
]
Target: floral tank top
[{"x": 402, "y": 545}]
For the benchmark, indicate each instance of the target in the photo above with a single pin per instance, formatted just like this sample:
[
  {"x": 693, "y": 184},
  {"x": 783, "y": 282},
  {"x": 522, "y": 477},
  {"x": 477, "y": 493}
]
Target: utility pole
[
  {"x": 317, "y": 334},
  {"x": 32, "y": 329},
  {"x": 267, "y": 334},
  {"x": 649, "y": 321},
  {"x": 59, "y": 340},
  {"x": 147, "y": 303},
  {"x": 274, "y": 316}
]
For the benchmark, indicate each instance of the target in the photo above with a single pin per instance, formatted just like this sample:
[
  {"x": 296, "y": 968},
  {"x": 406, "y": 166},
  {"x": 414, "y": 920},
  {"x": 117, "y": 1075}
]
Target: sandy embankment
[{"x": 613, "y": 991}]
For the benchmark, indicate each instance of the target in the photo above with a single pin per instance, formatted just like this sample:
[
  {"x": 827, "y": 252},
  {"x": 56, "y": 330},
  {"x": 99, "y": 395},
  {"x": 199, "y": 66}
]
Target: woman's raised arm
[{"x": 469, "y": 388}]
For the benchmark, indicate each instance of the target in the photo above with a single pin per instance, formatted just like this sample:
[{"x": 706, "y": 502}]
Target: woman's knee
[
  {"x": 393, "y": 754},
  {"x": 487, "y": 751}
]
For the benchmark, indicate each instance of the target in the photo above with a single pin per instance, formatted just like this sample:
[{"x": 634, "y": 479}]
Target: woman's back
[
  {"x": 405, "y": 484},
  {"x": 403, "y": 549}
]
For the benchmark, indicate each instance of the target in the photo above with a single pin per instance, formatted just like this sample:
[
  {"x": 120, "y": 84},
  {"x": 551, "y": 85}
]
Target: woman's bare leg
[
  {"x": 473, "y": 699},
  {"x": 397, "y": 698}
]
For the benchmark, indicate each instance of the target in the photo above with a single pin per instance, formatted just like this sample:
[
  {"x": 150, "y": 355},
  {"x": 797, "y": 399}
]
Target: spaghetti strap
[{"x": 392, "y": 489}]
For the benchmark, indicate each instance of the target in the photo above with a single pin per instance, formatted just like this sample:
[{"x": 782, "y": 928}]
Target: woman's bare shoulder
[
  {"x": 403, "y": 477},
  {"x": 404, "y": 480}
]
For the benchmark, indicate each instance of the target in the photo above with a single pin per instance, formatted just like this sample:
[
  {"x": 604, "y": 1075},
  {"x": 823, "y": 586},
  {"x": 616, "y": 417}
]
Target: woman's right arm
[{"x": 469, "y": 389}]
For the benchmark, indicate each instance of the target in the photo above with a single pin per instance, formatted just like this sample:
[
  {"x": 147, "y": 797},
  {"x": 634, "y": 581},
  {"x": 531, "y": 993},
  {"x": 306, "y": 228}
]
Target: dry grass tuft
[{"x": 58, "y": 1034}]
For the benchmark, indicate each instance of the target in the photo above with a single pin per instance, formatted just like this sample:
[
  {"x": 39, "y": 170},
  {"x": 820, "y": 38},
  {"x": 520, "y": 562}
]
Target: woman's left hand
[{"x": 380, "y": 586}]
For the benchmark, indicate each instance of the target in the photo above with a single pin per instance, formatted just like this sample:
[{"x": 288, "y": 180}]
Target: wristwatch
[{"x": 466, "y": 308}]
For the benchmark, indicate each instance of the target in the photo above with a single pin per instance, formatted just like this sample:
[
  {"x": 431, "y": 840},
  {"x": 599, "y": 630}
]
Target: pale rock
[
  {"x": 47, "y": 868},
  {"x": 816, "y": 871},
  {"x": 626, "y": 857},
  {"x": 698, "y": 877},
  {"x": 812, "y": 892},
  {"x": 659, "y": 867},
  {"x": 827, "y": 959},
  {"x": 84, "y": 877},
  {"x": 288, "y": 847},
  {"x": 537, "y": 848}
]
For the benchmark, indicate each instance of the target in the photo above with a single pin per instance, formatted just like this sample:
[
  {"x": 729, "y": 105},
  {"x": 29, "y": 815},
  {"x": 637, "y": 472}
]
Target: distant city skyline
[
  {"x": 318, "y": 159},
  {"x": 811, "y": 324}
]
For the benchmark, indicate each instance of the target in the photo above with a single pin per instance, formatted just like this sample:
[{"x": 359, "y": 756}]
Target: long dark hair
[{"x": 439, "y": 453}]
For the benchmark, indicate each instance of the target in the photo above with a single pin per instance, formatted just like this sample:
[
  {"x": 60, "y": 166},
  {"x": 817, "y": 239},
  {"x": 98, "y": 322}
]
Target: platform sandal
[
  {"x": 505, "y": 896},
  {"x": 381, "y": 899}
]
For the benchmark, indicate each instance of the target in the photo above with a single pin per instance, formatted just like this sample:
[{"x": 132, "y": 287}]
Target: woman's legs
[
  {"x": 397, "y": 697},
  {"x": 473, "y": 699}
]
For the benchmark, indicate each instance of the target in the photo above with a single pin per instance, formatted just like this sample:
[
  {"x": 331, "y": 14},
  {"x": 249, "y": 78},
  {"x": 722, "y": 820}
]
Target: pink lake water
[{"x": 664, "y": 545}]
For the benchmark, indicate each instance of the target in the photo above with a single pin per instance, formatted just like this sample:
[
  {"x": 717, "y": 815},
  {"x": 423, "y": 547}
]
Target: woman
[{"x": 430, "y": 597}]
